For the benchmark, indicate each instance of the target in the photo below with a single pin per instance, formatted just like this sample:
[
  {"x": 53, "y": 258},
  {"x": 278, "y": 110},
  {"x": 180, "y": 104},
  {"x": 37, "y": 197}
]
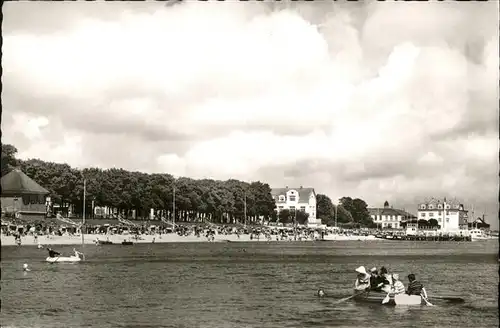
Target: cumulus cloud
[{"x": 393, "y": 101}]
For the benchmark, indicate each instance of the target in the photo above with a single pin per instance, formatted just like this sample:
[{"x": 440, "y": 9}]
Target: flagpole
[
  {"x": 173, "y": 206},
  {"x": 83, "y": 219}
]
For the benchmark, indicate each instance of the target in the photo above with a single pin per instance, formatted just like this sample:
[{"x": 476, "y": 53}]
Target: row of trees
[
  {"x": 349, "y": 213},
  {"x": 195, "y": 200}
]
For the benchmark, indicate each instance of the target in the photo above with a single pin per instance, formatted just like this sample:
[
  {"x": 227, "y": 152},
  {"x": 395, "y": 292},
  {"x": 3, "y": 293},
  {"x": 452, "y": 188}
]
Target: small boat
[
  {"x": 404, "y": 299},
  {"x": 63, "y": 259},
  {"x": 401, "y": 299},
  {"x": 478, "y": 234},
  {"x": 127, "y": 242},
  {"x": 105, "y": 242}
]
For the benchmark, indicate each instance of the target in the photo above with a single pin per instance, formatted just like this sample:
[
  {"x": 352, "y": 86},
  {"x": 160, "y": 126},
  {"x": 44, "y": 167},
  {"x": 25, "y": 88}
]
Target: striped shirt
[
  {"x": 398, "y": 287},
  {"x": 414, "y": 288}
]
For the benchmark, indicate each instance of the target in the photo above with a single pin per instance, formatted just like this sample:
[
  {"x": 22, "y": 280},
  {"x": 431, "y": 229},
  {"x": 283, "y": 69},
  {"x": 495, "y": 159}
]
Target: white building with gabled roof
[
  {"x": 300, "y": 199},
  {"x": 450, "y": 214}
]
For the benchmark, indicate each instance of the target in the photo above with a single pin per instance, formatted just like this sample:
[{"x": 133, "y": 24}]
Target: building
[
  {"x": 302, "y": 199},
  {"x": 23, "y": 197},
  {"x": 389, "y": 218},
  {"x": 479, "y": 223},
  {"x": 451, "y": 216}
]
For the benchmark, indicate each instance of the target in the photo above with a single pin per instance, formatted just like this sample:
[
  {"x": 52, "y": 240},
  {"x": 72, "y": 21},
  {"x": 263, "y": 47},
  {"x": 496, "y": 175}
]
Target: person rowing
[
  {"x": 53, "y": 253},
  {"x": 77, "y": 253},
  {"x": 362, "y": 282},
  {"x": 415, "y": 287}
]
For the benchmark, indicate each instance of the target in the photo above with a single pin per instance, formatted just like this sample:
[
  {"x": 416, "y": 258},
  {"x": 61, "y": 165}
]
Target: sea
[{"x": 259, "y": 284}]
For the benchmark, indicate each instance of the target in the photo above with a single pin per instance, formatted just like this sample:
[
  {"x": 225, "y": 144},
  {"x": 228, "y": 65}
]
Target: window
[
  {"x": 431, "y": 214},
  {"x": 303, "y": 208},
  {"x": 292, "y": 208},
  {"x": 280, "y": 207},
  {"x": 431, "y": 207},
  {"x": 422, "y": 206},
  {"x": 282, "y": 198},
  {"x": 447, "y": 206},
  {"x": 440, "y": 212},
  {"x": 447, "y": 219},
  {"x": 292, "y": 198},
  {"x": 422, "y": 215},
  {"x": 439, "y": 220},
  {"x": 440, "y": 206}
]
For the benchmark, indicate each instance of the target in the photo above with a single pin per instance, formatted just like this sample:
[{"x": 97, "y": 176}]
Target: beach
[{"x": 163, "y": 238}]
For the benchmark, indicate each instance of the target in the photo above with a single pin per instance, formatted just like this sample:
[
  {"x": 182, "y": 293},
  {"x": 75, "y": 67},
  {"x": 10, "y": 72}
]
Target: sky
[{"x": 378, "y": 100}]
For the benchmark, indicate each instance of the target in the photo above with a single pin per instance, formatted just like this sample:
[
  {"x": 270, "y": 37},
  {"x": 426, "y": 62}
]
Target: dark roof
[
  {"x": 304, "y": 193},
  {"x": 16, "y": 183},
  {"x": 390, "y": 211}
]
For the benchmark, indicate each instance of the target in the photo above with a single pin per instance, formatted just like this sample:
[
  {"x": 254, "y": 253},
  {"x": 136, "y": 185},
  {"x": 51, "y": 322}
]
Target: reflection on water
[{"x": 243, "y": 285}]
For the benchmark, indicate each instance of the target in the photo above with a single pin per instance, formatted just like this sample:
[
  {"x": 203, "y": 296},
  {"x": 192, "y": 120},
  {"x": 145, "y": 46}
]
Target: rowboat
[
  {"x": 403, "y": 299},
  {"x": 127, "y": 242},
  {"x": 377, "y": 298},
  {"x": 63, "y": 259}
]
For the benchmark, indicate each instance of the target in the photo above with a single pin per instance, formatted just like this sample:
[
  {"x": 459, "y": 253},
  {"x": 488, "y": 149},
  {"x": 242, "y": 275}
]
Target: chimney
[
  {"x": 300, "y": 187},
  {"x": 286, "y": 187}
]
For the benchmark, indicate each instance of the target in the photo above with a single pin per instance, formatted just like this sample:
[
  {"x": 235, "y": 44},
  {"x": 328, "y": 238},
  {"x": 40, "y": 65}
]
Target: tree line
[{"x": 200, "y": 200}]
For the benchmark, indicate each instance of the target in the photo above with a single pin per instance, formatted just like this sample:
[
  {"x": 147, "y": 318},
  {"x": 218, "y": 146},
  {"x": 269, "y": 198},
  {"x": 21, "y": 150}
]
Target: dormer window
[
  {"x": 440, "y": 206},
  {"x": 431, "y": 207},
  {"x": 447, "y": 206},
  {"x": 282, "y": 198},
  {"x": 422, "y": 206}
]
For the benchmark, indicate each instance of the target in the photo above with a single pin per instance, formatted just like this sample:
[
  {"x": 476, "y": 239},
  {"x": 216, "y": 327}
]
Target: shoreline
[{"x": 89, "y": 239}]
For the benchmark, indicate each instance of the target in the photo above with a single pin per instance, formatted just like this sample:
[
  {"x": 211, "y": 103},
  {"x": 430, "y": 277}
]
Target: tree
[
  {"x": 358, "y": 209},
  {"x": 285, "y": 216},
  {"x": 433, "y": 223},
  {"x": 325, "y": 210},
  {"x": 125, "y": 191},
  {"x": 301, "y": 217},
  {"x": 9, "y": 160}
]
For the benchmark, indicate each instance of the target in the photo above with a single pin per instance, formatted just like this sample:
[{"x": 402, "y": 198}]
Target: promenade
[{"x": 46, "y": 240}]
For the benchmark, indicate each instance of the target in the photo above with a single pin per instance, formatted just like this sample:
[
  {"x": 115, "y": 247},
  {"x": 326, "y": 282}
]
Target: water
[{"x": 243, "y": 285}]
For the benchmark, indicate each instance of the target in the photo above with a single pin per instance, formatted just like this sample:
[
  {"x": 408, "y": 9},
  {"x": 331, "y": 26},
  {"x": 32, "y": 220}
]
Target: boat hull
[
  {"x": 401, "y": 299},
  {"x": 63, "y": 259}
]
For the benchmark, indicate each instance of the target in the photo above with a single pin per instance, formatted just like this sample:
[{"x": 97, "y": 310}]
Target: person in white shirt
[
  {"x": 362, "y": 282},
  {"x": 397, "y": 287}
]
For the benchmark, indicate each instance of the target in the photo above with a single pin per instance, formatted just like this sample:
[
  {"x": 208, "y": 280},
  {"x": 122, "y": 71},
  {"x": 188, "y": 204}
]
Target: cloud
[{"x": 392, "y": 101}]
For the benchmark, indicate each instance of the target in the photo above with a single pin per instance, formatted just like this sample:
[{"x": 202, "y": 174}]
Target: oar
[
  {"x": 423, "y": 294},
  {"x": 348, "y": 298},
  {"x": 426, "y": 300},
  {"x": 451, "y": 299},
  {"x": 387, "y": 298}
]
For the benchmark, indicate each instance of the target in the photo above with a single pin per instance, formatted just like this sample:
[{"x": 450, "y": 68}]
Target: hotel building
[{"x": 300, "y": 199}]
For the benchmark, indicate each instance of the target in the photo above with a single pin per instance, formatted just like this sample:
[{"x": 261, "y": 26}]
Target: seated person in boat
[
  {"x": 377, "y": 281},
  {"x": 53, "y": 253},
  {"x": 415, "y": 287},
  {"x": 362, "y": 282},
  {"x": 77, "y": 253},
  {"x": 386, "y": 280},
  {"x": 397, "y": 287}
]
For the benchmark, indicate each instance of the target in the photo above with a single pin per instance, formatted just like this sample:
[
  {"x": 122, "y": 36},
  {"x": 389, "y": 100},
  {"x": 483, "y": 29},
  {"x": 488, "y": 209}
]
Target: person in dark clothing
[
  {"x": 414, "y": 287},
  {"x": 377, "y": 281},
  {"x": 53, "y": 253}
]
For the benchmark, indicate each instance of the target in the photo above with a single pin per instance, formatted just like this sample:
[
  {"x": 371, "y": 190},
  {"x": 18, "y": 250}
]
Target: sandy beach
[{"x": 164, "y": 238}]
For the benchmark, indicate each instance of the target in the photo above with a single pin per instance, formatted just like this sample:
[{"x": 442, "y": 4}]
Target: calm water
[{"x": 243, "y": 285}]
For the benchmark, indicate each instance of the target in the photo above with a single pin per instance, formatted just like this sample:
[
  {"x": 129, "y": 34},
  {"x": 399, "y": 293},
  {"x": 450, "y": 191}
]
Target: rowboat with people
[
  {"x": 386, "y": 289},
  {"x": 56, "y": 257}
]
